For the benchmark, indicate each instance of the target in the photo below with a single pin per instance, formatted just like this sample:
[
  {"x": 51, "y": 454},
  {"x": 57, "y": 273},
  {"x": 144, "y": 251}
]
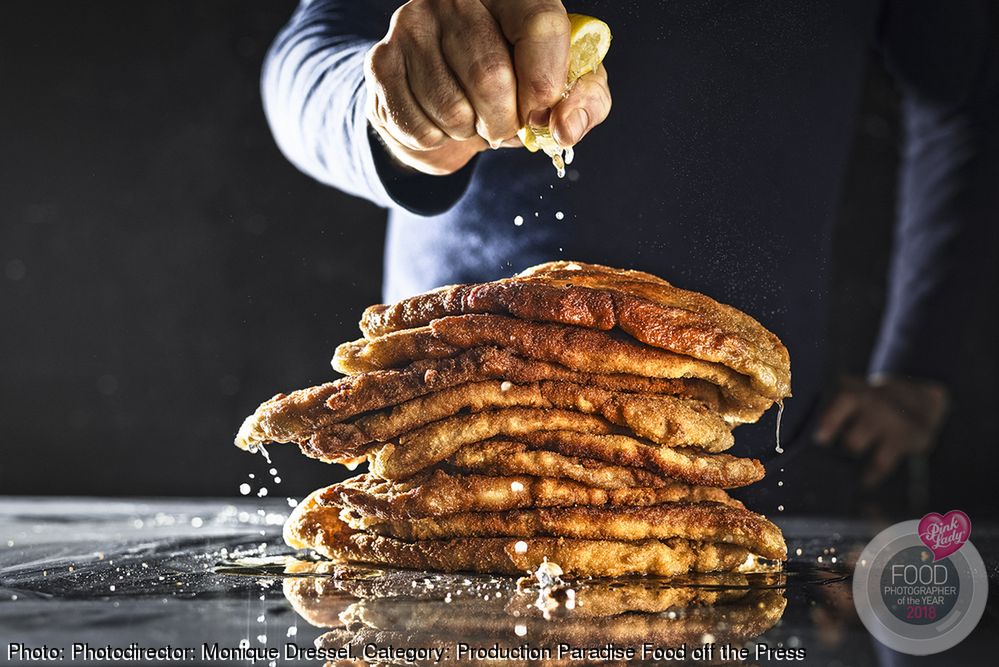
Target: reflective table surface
[{"x": 88, "y": 581}]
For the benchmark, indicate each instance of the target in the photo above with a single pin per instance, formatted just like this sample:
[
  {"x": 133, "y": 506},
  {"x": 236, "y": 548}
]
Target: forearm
[
  {"x": 316, "y": 101},
  {"x": 945, "y": 240},
  {"x": 314, "y": 96}
]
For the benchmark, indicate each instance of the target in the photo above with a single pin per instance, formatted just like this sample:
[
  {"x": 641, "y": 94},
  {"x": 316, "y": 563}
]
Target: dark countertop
[{"x": 148, "y": 571}]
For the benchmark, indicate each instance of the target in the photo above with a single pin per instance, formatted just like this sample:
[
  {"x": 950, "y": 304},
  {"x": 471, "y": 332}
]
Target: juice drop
[{"x": 780, "y": 413}]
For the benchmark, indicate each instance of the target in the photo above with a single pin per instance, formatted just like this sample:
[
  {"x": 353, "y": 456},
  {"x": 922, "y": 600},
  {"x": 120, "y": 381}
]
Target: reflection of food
[
  {"x": 413, "y": 612},
  {"x": 574, "y": 413}
]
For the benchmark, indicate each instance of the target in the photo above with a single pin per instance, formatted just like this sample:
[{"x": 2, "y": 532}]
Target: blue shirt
[{"x": 719, "y": 167}]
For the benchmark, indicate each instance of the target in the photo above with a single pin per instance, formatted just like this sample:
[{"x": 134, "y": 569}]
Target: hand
[
  {"x": 891, "y": 418},
  {"x": 454, "y": 77}
]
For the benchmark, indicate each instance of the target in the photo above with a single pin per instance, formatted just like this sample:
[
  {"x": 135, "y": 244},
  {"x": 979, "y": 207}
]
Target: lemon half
[{"x": 589, "y": 41}]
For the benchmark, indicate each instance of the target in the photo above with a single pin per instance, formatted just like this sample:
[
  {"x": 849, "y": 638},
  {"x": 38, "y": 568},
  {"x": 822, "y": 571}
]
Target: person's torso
[{"x": 718, "y": 169}]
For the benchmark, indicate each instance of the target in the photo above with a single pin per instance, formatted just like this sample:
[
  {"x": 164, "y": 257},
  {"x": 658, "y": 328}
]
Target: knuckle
[
  {"x": 457, "y": 114},
  {"x": 426, "y": 137},
  {"x": 491, "y": 72},
  {"x": 410, "y": 14},
  {"x": 545, "y": 22},
  {"x": 380, "y": 62},
  {"x": 542, "y": 86}
]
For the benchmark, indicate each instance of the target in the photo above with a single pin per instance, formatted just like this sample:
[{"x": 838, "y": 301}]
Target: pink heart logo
[{"x": 944, "y": 535}]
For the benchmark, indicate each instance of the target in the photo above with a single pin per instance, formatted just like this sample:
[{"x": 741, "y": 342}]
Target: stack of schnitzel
[{"x": 574, "y": 413}]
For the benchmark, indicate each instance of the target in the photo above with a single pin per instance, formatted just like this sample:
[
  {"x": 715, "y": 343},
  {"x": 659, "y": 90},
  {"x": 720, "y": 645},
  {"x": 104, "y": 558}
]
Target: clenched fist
[{"x": 454, "y": 77}]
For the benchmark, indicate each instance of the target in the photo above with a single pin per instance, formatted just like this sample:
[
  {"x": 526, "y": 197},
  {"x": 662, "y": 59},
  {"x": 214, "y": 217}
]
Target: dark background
[{"x": 164, "y": 269}]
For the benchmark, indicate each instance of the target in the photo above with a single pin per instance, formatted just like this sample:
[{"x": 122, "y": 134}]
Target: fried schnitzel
[
  {"x": 665, "y": 420},
  {"x": 599, "y": 297},
  {"x": 695, "y": 521},
  {"x": 574, "y": 413},
  {"x": 419, "y": 449},
  {"x": 438, "y": 492},
  {"x": 585, "y": 350},
  {"x": 688, "y": 465},
  {"x": 317, "y": 417},
  {"x": 506, "y": 457},
  {"x": 589, "y": 439},
  {"x": 577, "y": 558}
]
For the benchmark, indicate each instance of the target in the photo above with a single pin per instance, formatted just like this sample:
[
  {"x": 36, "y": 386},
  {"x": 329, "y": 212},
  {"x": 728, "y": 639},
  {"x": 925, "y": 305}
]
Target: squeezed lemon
[{"x": 589, "y": 41}]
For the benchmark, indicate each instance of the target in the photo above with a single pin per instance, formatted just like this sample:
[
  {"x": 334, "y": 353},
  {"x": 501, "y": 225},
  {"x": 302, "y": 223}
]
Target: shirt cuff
[{"x": 416, "y": 192}]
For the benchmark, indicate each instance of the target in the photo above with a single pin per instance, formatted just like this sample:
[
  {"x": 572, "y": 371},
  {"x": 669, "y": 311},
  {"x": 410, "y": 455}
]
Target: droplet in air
[
  {"x": 559, "y": 215},
  {"x": 780, "y": 413},
  {"x": 519, "y": 220},
  {"x": 262, "y": 492},
  {"x": 244, "y": 489}
]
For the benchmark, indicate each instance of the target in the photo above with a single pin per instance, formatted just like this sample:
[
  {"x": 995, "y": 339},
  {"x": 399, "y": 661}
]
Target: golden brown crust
[
  {"x": 599, "y": 297},
  {"x": 438, "y": 492},
  {"x": 357, "y": 394},
  {"x": 665, "y": 420},
  {"x": 314, "y": 526},
  {"x": 310, "y": 523},
  {"x": 691, "y": 466},
  {"x": 506, "y": 457},
  {"x": 698, "y": 521},
  {"x": 585, "y": 350},
  {"x": 425, "y": 447},
  {"x": 314, "y": 417},
  {"x": 577, "y": 558}
]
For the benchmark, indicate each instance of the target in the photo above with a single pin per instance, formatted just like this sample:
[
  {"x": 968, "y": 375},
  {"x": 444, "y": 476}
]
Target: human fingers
[
  {"x": 885, "y": 460},
  {"x": 435, "y": 86},
  {"x": 477, "y": 52},
  {"x": 539, "y": 33},
  {"x": 587, "y": 105},
  {"x": 862, "y": 432},
  {"x": 447, "y": 158},
  {"x": 392, "y": 108},
  {"x": 837, "y": 414}
]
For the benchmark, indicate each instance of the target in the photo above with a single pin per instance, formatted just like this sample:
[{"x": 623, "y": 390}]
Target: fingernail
[
  {"x": 576, "y": 123},
  {"x": 539, "y": 117}
]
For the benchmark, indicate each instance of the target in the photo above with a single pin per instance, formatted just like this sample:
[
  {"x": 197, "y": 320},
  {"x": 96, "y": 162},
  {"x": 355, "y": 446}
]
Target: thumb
[{"x": 587, "y": 105}]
